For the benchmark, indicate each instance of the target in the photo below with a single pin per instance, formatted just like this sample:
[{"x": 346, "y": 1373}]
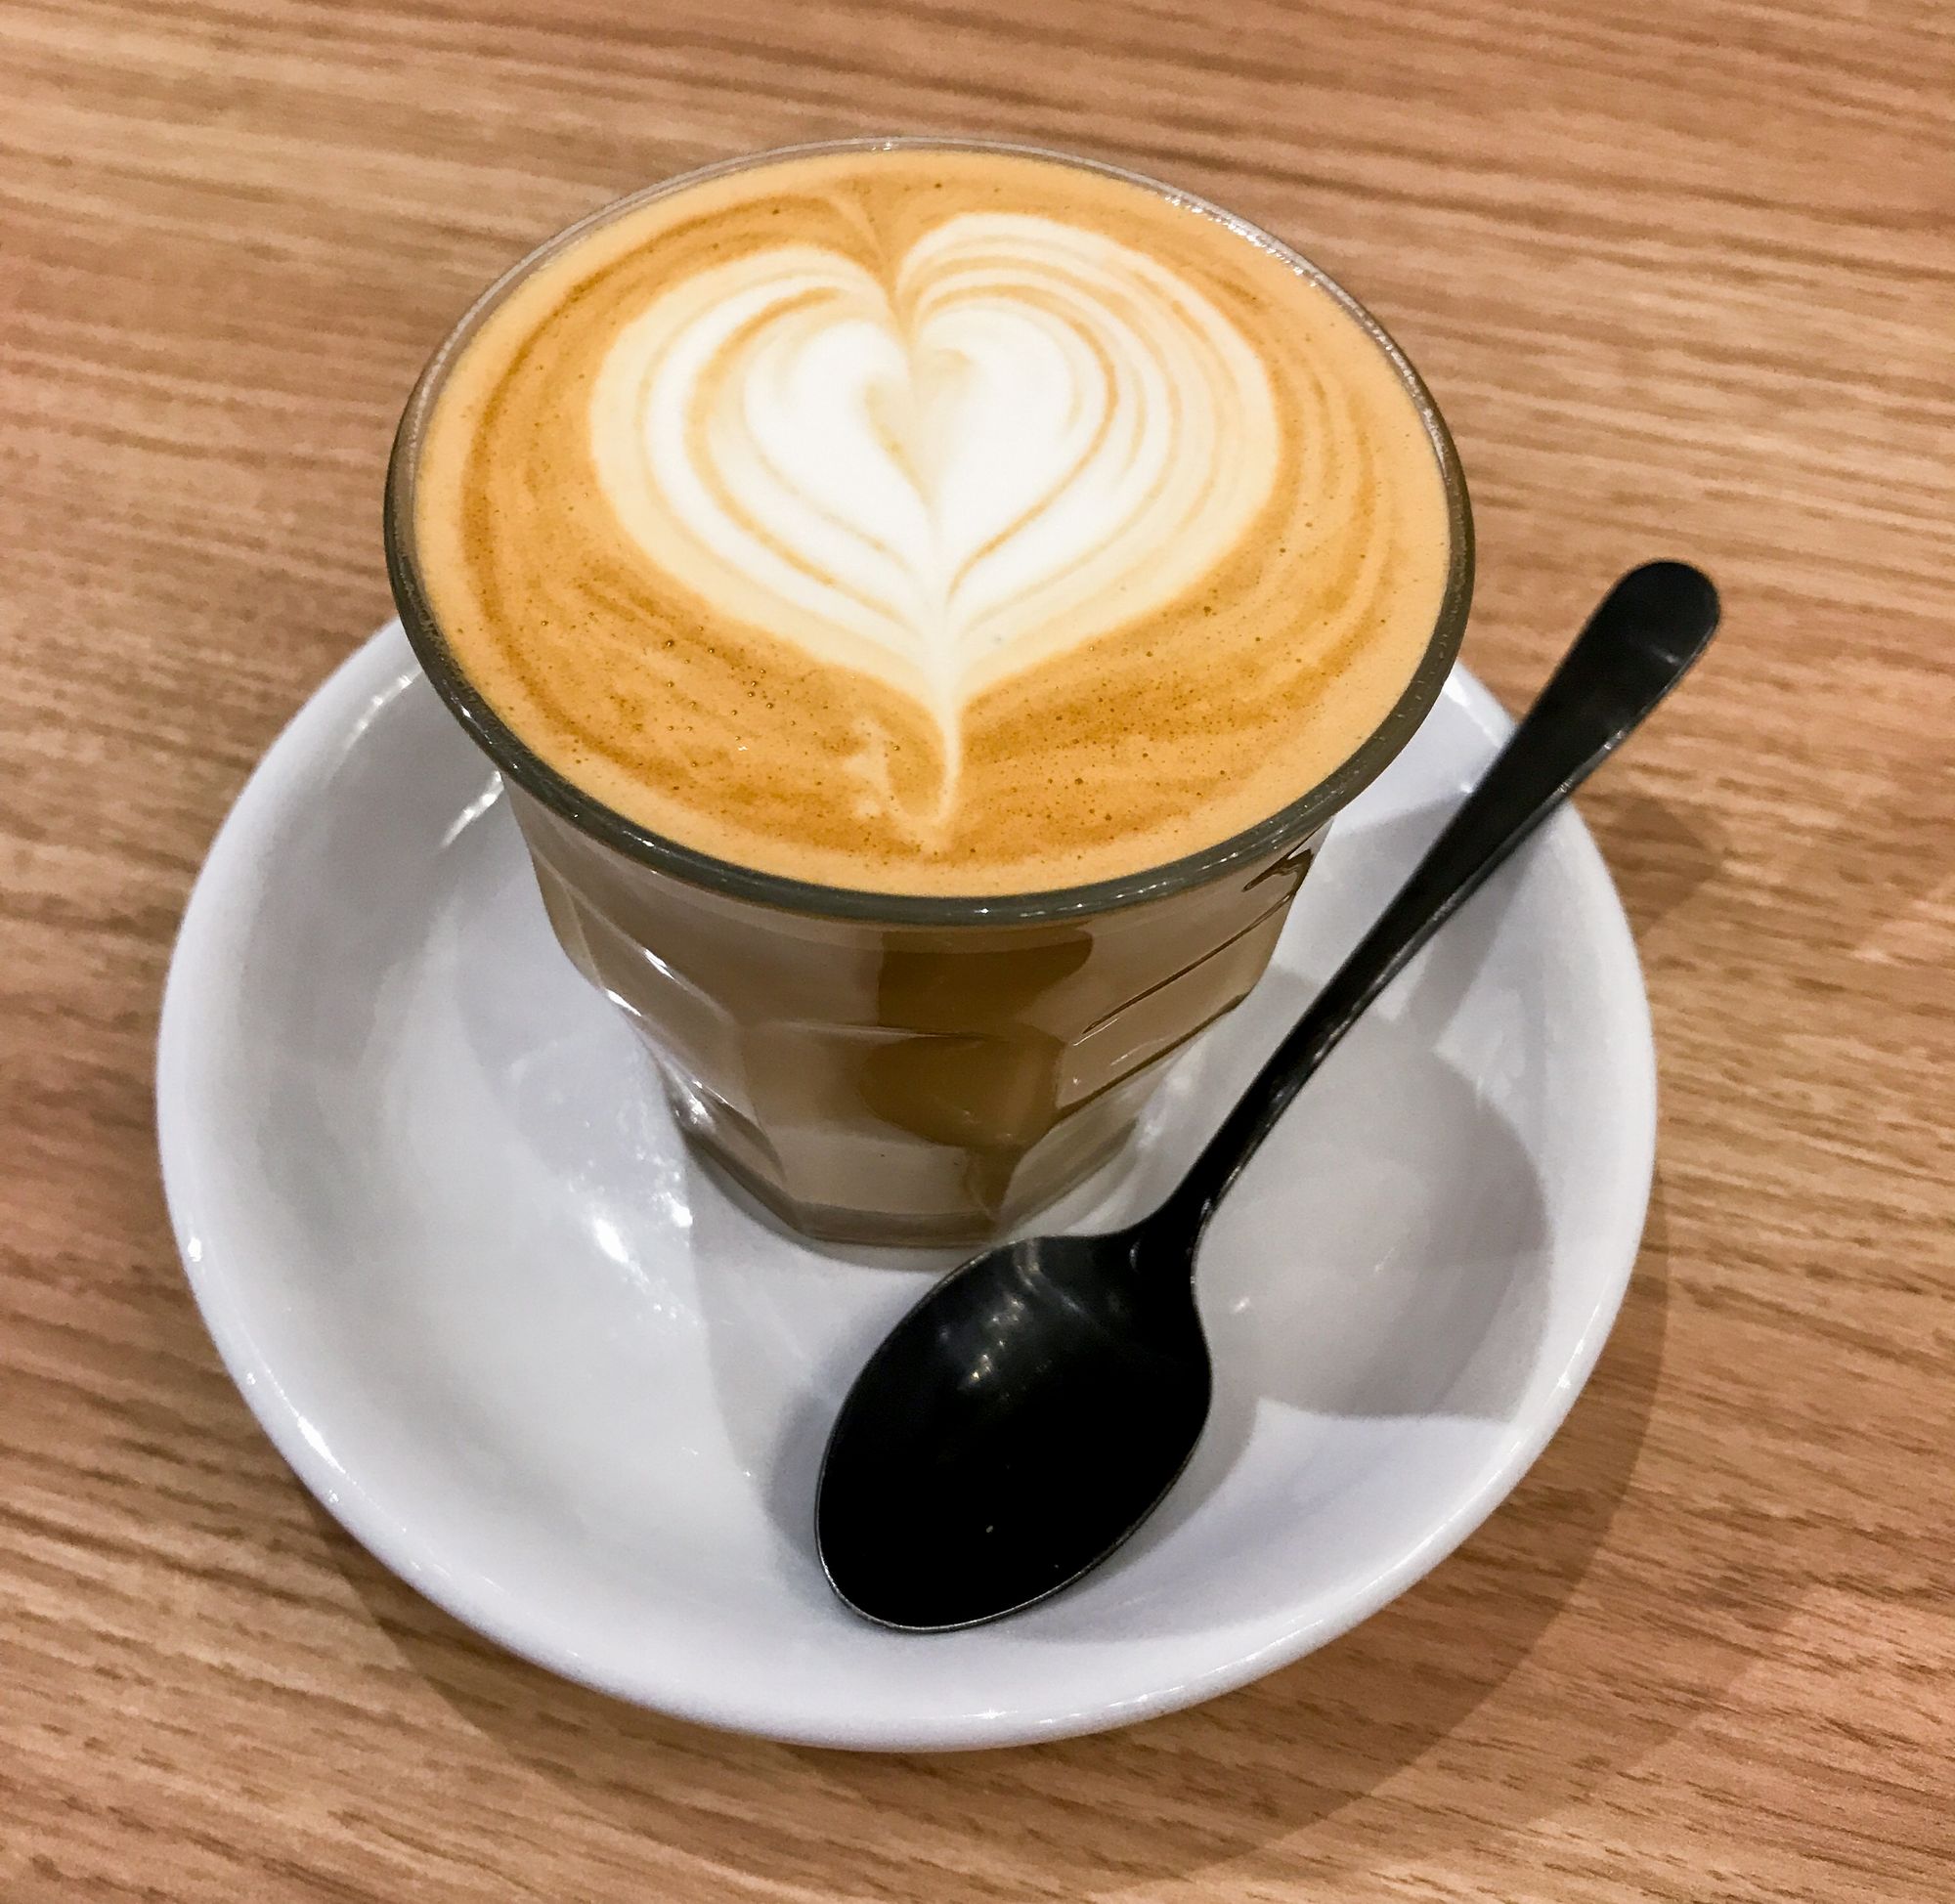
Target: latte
[{"x": 931, "y": 521}]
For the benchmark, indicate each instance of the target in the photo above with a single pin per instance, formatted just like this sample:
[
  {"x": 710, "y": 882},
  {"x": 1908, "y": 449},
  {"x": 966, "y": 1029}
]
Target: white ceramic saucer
[{"x": 551, "y": 1372}]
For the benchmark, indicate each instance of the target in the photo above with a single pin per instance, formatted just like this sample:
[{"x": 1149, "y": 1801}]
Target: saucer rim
[{"x": 203, "y": 969}]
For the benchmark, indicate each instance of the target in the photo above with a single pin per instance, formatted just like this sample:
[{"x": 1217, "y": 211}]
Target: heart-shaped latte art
[{"x": 1024, "y": 435}]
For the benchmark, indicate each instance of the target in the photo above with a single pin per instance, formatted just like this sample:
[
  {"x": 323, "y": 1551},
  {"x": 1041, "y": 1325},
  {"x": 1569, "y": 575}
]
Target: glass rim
[{"x": 1268, "y": 837}]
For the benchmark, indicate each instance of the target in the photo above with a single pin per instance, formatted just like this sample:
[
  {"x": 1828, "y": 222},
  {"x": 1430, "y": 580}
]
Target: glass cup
[{"x": 892, "y": 1069}]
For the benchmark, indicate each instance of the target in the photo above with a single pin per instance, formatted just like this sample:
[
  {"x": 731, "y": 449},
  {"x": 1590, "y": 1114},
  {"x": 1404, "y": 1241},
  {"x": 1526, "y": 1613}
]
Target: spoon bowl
[{"x": 1027, "y": 1418}]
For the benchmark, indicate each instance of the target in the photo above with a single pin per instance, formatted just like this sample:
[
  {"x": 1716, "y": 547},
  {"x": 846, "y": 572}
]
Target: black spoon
[{"x": 1033, "y": 1408}]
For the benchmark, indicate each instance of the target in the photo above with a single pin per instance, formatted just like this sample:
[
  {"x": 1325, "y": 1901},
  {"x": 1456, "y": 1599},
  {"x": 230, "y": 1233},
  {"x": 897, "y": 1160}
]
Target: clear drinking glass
[{"x": 906, "y": 1068}]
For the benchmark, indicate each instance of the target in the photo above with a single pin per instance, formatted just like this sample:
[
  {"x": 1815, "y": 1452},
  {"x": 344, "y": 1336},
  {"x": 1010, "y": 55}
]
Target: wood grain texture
[{"x": 1683, "y": 277}]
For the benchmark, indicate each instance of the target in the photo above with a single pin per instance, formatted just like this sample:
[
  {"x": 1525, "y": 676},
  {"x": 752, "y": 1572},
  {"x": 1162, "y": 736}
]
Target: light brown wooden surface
[{"x": 1683, "y": 277}]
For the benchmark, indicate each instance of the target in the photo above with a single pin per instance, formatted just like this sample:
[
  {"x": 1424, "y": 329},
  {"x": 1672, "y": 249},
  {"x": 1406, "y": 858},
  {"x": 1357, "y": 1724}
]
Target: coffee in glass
[{"x": 928, "y": 600}]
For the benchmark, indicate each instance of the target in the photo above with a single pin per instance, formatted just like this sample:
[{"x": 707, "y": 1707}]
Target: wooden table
[{"x": 1682, "y": 276}]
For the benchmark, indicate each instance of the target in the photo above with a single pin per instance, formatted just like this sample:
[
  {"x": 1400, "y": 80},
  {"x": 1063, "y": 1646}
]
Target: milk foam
[
  {"x": 930, "y": 520},
  {"x": 1024, "y": 435}
]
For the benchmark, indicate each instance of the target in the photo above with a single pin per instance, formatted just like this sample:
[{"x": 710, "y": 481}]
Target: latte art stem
[{"x": 926, "y": 823}]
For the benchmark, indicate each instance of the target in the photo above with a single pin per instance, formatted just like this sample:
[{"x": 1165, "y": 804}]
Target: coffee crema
[{"x": 931, "y": 521}]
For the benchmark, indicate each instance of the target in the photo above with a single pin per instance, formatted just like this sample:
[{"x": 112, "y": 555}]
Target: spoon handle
[{"x": 1636, "y": 648}]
